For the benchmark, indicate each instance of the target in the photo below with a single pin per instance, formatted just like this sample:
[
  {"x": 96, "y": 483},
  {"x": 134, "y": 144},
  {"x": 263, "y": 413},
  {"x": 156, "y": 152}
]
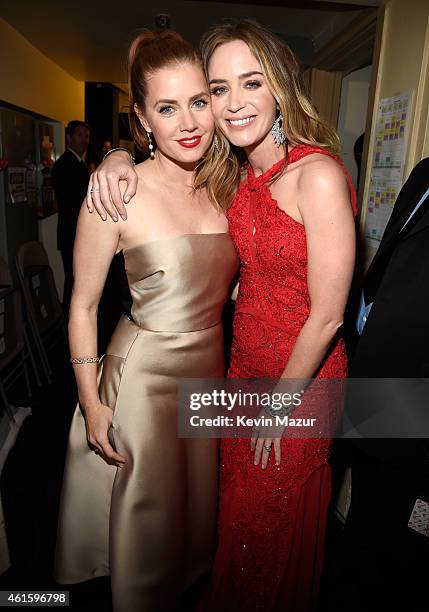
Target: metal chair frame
[
  {"x": 17, "y": 349},
  {"x": 46, "y": 319}
]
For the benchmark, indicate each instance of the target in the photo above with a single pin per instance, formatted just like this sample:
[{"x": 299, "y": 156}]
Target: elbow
[
  {"x": 334, "y": 325},
  {"x": 331, "y": 327},
  {"x": 79, "y": 311},
  {"x": 327, "y": 326}
]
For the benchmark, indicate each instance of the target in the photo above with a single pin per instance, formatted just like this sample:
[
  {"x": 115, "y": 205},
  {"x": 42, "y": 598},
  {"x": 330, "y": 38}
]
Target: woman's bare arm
[
  {"x": 324, "y": 204},
  {"x": 95, "y": 245}
]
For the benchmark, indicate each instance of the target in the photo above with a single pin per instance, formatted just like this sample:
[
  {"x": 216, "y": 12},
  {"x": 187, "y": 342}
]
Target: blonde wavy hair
[{"x": 222, "y": 167}]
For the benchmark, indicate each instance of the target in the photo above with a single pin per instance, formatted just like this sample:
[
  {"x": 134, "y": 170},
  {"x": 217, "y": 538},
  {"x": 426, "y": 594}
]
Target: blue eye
[
  {"x": 253, "y": 84},
  {"x": 200, "y": 103},
  {"x": 218, "y": 91},
  {"x": 166, "y": 110}
]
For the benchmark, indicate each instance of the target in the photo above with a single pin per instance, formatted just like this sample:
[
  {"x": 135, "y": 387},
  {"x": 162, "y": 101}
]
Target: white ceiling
[{"x": 89, "y": 39}]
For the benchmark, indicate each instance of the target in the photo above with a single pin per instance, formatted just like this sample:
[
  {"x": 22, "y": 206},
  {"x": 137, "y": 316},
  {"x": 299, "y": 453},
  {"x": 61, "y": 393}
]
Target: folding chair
[
  {"x": 43, "y": 306},
  {"x": 15, "y": 349}
]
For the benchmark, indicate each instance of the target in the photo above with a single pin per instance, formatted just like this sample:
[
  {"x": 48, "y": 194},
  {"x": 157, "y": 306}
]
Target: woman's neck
[
  {"x": 263, "y": 155},
  {"x": 173, "y": 172}
]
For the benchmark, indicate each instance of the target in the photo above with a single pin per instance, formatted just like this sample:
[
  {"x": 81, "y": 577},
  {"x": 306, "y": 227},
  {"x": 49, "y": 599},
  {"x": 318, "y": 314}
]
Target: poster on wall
[
  {"x": 381, "y": 199},
  {"x": 16, "y": 184},
  {"x": 387, "y": 169}
]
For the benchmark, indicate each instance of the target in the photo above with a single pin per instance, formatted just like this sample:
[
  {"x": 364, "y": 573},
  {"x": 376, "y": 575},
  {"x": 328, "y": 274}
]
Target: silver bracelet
[
  {"x": 282, "y": 411},
  {"x": 279, "y": 412},
  {"x": 81, "y": 360},
  {"x": 133, "y": 161}
]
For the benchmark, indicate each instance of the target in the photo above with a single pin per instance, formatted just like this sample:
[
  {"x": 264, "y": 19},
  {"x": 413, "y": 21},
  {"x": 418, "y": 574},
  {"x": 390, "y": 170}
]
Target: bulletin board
[{"x": 387, "y": 169}]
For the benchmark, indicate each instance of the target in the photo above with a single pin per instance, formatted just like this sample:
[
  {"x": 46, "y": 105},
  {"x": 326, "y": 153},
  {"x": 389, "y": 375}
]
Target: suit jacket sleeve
[{"x": 70, "y": 182}]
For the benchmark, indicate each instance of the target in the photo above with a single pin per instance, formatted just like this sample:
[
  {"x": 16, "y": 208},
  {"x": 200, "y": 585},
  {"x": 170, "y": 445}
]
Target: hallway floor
[{"x": 30, "y": 488}]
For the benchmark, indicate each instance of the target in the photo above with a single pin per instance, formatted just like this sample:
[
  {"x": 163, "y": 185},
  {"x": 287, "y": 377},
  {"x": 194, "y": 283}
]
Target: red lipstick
[{"x": 191, "y": 142}]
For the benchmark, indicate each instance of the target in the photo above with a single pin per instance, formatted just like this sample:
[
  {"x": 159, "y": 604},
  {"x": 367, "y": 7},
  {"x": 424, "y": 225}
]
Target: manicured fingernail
[
  {"x": 123, "y": 217},
  {"x": 115, "y": 219},
  {"x": 127, "y": 198},
  {"x": 103, "y": 217}
]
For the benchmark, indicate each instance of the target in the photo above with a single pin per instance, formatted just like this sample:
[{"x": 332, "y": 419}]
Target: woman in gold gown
[{"x": 142, "y": 507}]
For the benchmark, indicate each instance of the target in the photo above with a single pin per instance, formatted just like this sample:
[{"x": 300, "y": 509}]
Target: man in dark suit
[
  {"x": 382, "y": 564},
  {"x": 70, "y": 177}
]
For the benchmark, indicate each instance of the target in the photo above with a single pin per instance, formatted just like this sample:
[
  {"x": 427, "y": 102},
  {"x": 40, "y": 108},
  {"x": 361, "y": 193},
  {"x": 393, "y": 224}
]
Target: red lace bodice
[{"x": 273, "y": 251}]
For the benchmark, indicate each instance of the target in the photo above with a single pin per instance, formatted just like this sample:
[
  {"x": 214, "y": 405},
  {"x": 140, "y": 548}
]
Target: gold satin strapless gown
[{"x": 151, "y": 525}]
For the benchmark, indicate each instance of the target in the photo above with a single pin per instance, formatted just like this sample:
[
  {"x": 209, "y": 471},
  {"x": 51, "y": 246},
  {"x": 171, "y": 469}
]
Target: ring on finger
[
  {"x": 267, "y": 448},
  {"x": 94, "y": 189}
]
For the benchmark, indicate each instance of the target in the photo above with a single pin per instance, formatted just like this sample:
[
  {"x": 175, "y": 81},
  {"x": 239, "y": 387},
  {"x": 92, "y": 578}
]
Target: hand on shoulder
[{"x": 105, "y": 194}]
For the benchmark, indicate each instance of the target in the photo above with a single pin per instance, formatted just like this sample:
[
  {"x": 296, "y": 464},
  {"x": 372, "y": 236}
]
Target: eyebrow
[
  {"x": 198, "y": 95},
  {"x": 245, "y": 75}
]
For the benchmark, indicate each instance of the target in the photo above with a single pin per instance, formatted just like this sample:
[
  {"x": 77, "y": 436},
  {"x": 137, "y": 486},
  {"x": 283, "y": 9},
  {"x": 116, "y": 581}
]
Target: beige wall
[
  {"x": 32, "y": 81},
  {"x": 352, "y": 115},
  {"x": 403, "y": 66}
]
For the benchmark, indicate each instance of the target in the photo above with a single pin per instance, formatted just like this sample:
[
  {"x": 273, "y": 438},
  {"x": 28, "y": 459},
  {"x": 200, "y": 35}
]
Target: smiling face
[
  {"x": 177, "y": 111},
  {"x": 242, "y": 104}
]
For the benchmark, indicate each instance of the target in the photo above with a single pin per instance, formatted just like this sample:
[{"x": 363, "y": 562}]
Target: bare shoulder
[
  {"x": 93, "y": 235},
  {"x": 322, "y": 188},
  {"x": 318, "y": 171}
]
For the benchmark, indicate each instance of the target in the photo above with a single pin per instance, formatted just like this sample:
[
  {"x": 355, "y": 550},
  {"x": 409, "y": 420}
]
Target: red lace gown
[{"x": 271, "y": 522}]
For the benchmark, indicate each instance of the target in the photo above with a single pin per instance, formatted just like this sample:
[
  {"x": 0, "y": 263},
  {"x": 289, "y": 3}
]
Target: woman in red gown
[{"x": 292, "y": 225}]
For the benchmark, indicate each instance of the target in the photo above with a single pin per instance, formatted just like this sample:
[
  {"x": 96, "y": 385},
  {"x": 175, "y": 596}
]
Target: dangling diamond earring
[
  {"x": 277, "y": 131},
  {"x": 150, "y": 145}
]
